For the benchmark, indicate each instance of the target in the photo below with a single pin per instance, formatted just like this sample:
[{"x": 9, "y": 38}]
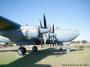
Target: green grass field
[{"x": 45, "y": 57}]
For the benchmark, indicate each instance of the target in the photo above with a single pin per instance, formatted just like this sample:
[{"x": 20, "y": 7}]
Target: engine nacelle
[
  {"x": 4, "y": 40},
  {"x": 31, "y": 34},
  {"x": 43, "y": 30},
  {"x": 34, "y": 33},
  {"x": 3, "y": 43}
]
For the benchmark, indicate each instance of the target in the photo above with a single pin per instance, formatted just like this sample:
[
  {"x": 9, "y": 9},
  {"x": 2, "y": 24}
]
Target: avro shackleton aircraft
[
  {"x": 59, "y": 36},
  {"x": 27, "y": 35}
]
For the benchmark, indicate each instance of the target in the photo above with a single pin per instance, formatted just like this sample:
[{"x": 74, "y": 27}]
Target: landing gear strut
[
  {"x": 68, "y": 49},
  {"x": 34, "y": 48},
  {"x": 22, "y": 51}
]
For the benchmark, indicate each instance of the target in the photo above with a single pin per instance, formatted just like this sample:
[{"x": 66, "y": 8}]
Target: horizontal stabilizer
[{"x": 6, "y": 24}]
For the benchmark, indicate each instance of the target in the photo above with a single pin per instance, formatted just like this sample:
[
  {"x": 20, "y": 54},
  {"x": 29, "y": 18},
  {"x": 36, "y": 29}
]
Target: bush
[
  {"x": 10, "y": 44},
  {"x": 81, "y": 47}
]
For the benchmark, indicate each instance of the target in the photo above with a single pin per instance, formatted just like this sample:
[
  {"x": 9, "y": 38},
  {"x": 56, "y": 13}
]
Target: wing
[{"x": 6, "y": 24}]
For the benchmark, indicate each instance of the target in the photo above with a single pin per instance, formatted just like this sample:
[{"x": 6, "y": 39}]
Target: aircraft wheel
[
  {"x": 34, "y": 48},
  {"x": 22, "y": 51},
  {"x": 61, "y": 49}
]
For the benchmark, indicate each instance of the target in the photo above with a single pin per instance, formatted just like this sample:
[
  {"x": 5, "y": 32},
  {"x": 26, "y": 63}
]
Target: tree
[
  {"x": 84, "y": 41},
  {"x": 75, "y": 42},
  {"x": 72, "y": 42},
  {"x": 78, "y": 42}
]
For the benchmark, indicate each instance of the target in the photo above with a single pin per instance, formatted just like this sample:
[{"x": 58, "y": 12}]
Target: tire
[{"x": 34, "y": 48}]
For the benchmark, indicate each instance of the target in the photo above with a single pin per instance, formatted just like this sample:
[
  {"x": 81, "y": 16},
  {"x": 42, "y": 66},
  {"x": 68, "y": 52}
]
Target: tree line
[{"x": 82, "y": 41}]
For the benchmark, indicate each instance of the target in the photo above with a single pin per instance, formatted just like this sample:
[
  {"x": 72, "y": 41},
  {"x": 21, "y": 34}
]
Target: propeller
[
  {"x": 45, "y": 23},
  {"x": 40, "y": 35},
  {"x": 52, "y": 35},
  {"x": 53, "y": 28},
  {"x": 40, "y": 24},
  {"x": 45, "y": 27}
]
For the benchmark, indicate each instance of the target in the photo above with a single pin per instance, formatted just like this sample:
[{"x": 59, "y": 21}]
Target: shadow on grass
[
  {"x": 8, "y": 50},
  {"x": 30, "y": 59},
  {"x": 72, "y": 50}
]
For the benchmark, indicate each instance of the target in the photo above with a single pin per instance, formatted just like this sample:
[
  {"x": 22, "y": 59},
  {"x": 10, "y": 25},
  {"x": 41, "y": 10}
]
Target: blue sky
[{"x": 67, "y": 14}]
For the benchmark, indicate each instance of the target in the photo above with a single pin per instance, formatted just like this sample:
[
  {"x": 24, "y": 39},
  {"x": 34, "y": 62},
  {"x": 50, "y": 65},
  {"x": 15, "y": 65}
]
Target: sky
[{"x": 66, "y": 14}]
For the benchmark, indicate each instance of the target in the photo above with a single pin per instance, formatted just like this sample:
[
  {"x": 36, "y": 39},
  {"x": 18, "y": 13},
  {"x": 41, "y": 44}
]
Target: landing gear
[
  {"x": 22, "y": 51},
  {"x": 34, "y": 48},
  {"x": 67, "y": 49},
  {"x": 61, "y": 49}
]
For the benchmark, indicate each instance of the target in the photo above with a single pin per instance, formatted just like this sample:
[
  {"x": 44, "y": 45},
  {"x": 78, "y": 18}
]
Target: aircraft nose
[{"x": 75, "y": 33}]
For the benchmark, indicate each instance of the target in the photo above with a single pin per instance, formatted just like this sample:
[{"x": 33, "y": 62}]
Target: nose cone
[
  {"x": 66, "y": 35},
  {"x": 75, "y": 34}
]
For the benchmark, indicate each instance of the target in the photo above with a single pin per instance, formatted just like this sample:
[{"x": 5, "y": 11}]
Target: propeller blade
[
  {"x": 45, "y": 24},
  {"x": 53, "y": 28},
  {"x": 50, "y": 29},
  {"x": 40, "y": 24}
]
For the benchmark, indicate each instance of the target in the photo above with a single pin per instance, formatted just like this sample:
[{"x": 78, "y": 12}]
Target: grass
[{"x": 45, "y": 57}]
